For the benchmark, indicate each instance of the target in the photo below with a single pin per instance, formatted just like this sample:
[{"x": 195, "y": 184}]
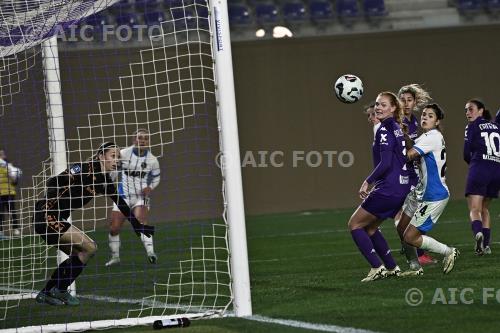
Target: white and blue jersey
[
  {"x": 432, "y": 167},
  {"x": 137, "y": 172}
]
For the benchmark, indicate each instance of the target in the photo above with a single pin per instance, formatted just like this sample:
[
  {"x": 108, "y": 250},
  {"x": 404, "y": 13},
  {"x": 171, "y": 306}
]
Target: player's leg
[
  {"x": 80, "y": 248},
  {"x": 13, "y": 215},
  {"x": 141, "y": 212},
  {"x": 382, "y": 248},
  {"x": 475, "y": 205},
  {"x": 427, "y": 214},
  {"x": 116, "y": 224},
  {"x": 359, "y": 220},
  {"x": 485, "y": 214},
  {"x": 3, "y": 215}
]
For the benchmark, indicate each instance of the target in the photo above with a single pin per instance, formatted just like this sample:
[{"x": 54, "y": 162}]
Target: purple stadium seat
[
  {"x": 123, "y": 5},
  {"x": 184, "y": 18},
  {"x": 374, "y": 8},
  {"x": 294, "y": 11},
  {"x": 347, "y": 8},
  {"x": 97, "y": 21},
  {"x": 321, "y": 10},
  {"x": 239, "y": 14},
  {"x": 125, "y": 19},
  {"x": 469, "y": 6},
  {"x": 173, "y": 3},
  {"x": 129, "y": 19},
  {"x": 266, "y": 13},
  {"x": 202, "y": 13},
  {"x": 146, "y": 5},
  {"x": 154, "y": 18},
  {"x": 492, "y": 5}
]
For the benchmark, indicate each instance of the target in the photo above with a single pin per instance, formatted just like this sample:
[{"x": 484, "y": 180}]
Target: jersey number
[
  {"x": 492, "y": 142},
  {"x": 443, "y": 158},
  {"x": 423, "y": 210}
]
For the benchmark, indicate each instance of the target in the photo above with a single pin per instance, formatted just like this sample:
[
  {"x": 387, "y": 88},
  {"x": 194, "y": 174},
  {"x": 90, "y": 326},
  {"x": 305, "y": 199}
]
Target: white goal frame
[{"x": 230, "y": 167}]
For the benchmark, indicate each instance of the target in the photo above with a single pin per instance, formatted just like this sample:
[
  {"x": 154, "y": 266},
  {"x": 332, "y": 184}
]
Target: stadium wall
[
  {"x": 285, "y": 102},
  {"x": 286, "y": 106}
]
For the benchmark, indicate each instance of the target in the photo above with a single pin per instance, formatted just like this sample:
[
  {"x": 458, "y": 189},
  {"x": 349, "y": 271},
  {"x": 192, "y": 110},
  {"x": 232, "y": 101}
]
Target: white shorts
[
  {"x": 133, "y": 201},
  {"x": 424, "y": 214}
]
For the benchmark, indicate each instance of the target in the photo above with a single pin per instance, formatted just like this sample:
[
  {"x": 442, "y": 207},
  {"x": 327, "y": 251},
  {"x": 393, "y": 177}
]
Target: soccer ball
[{"x": 349, "y": 88}]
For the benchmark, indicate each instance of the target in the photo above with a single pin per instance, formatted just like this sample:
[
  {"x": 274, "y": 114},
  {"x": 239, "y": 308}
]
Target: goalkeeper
[
  {"x": 70, "y": 190},
  {"x": 140, "y": 174}
]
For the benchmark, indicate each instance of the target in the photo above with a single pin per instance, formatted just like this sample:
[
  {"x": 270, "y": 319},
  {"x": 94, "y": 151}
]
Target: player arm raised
[{"x": 139, "y": 228}]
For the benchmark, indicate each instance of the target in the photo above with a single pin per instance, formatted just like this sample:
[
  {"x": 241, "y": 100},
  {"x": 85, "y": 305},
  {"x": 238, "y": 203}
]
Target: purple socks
[
  {"x": 477, "y": 226},
  {"x": 382, "y": 249},
  {"x": 366, "y": 247},
  {"x": 486, "y": 234}
]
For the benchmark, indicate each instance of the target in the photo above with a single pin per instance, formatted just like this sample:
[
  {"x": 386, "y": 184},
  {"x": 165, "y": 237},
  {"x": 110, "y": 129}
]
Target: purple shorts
[
  {"x": 382, "y": 206},
  {"x": 482, "y": 180}
]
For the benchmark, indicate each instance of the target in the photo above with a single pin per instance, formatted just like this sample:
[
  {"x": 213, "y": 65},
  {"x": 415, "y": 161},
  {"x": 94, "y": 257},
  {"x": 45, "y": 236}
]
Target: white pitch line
[{"x": 306, "y": 325}]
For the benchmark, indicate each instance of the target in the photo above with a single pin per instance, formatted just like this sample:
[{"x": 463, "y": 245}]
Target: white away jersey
[
  {"x": 138, "y": 172},
  {"x": 432, "y": 168}
]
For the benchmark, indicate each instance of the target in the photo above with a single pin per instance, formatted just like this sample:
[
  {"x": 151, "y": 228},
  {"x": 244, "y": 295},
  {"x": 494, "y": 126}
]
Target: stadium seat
[
  {"x": 146, "y": 5},
  {"x": 320, "y": 11},
  {"x": 201, "y": 7},
  {"x": 97, "y": 22},
  {"x": 466, "y": 7},
  {"x": 492, "y": 5},
  {"x": 173, "y": 3},
  {"x": 239, "y": 15},
  {"x": 129, "y": 19},
  {"x": 374, "y": 8},
  {"x": 347, "y": 9},
  {"x": 266, "y": 13},
  {"x": 184, "y": 18},
  {"x": 126, "y": 19},
  {"x": 154, "y": 18},
  {"x": 294, "y": 12},
  {"x": 123, "y": 5}
]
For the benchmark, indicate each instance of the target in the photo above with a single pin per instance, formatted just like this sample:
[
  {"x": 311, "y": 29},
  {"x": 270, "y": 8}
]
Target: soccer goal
[{"x": 77, "y": 73}]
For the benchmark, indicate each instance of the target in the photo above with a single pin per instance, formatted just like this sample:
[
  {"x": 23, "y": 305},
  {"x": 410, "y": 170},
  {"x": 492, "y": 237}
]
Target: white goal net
[{"x": 58, "y": 103}]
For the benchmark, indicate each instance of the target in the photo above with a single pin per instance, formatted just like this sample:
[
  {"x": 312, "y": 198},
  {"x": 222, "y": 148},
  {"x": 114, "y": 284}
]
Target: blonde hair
[
  {"x": 420, "y": 95},
  {"x": 398, "y": 113}
]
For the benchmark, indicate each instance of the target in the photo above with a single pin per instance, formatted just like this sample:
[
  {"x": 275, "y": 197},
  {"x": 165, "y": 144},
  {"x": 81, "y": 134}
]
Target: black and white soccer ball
[{"x": 349, "y": 88}]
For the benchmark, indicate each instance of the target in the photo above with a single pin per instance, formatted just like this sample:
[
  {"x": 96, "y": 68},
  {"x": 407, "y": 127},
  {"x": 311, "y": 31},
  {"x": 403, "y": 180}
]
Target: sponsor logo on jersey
[{"x": 75, "y": 169}]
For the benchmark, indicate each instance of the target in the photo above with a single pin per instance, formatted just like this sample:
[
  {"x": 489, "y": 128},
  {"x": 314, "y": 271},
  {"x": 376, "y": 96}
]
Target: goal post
[
  {"x": 179, "y": 86},
  {"x": 231, "y": 164}
]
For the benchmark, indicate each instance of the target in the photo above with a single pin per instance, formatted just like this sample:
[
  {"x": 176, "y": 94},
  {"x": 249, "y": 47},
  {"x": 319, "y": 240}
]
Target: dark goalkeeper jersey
[{"x": 75, "y": 187}]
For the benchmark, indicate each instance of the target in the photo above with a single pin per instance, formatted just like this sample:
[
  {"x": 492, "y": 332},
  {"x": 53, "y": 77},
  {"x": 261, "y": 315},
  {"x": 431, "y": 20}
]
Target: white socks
[
  {"x": 432, "y": 245},
  {"x": 114, "y": 245},
  {"x": 148, "y": 244}
]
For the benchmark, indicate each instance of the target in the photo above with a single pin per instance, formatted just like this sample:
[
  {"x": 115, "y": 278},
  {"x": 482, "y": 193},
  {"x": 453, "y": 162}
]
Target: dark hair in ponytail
[
  {"x": 480, "y": 105},
  {"x": 103, "y": 149}
]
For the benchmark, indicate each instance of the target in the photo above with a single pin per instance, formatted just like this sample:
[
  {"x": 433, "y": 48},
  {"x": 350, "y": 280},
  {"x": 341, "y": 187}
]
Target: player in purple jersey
[
  {"x": 384, "y": 190},
  {"x": 497, "y": 118},
  {"x": 482, "y": 153},
  {"x": 413, "y": 97},
  {"x": 372, "y": 117}
]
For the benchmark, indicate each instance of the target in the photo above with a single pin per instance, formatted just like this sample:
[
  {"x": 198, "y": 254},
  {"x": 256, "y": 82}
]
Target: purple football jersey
[
  {"x": 413, "y": 127},
  {"x": 412, "y": 124},
  {"x": 482, "y": 143},
  {"x": 390, "y": 175}
]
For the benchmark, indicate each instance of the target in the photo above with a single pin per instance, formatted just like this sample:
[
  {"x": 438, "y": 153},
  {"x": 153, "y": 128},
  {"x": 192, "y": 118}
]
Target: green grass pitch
[{"x": 305, "y": 267}]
